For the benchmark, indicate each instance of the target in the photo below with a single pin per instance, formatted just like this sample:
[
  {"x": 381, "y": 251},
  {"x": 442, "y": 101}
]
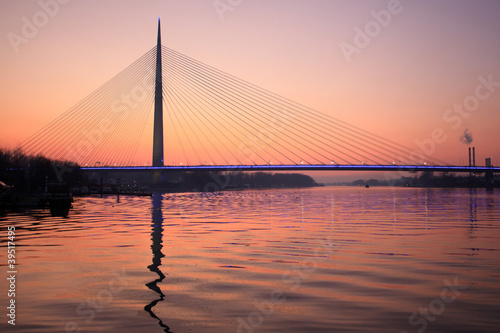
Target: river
[{"x": 326, "y": 259}]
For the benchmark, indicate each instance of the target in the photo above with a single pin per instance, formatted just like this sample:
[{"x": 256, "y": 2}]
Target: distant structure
[{"x": 158, "y": 116}]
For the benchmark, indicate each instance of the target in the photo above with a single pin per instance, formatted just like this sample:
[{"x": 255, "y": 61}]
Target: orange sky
[{"x": 424, "y": 59}]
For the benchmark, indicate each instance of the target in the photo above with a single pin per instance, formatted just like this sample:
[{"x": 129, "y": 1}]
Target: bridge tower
[{"x": 158, "y": 115}]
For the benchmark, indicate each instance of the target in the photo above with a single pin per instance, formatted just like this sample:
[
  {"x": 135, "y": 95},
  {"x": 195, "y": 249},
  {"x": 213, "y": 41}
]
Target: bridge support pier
[
  {"x": 158, "y": 177},
  {"x": 489, "y": 180}
]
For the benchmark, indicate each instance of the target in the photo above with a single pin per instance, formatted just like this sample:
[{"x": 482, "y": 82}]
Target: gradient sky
[{"x": 426, "y": 59}]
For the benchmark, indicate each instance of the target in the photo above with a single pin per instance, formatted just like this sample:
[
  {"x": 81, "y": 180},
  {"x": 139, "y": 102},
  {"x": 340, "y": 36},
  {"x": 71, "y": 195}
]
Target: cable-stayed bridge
[{"x": 210, "y": 120}]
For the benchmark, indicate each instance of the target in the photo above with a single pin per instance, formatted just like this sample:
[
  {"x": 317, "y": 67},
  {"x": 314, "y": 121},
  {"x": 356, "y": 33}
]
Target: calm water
[{"x": 309, "y": 260}]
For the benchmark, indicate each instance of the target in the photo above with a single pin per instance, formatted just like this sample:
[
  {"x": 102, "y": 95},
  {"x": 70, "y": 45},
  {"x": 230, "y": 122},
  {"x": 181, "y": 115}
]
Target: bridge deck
[{"x": 302, "y": 167}]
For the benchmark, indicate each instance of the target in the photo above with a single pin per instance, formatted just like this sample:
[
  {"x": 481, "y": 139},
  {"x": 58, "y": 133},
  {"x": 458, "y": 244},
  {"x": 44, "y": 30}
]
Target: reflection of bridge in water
[
  {"x": 214, "y": 122},
  {"x": 156, "y": 247}
]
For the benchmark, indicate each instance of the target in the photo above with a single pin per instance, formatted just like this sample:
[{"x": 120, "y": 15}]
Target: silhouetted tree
[{"x": 30, "y": 173}]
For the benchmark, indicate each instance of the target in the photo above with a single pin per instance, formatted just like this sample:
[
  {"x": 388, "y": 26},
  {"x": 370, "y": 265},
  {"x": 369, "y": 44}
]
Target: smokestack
[
  {"x": 473, "y": 156},
  {"x": 470, "y": 158}
]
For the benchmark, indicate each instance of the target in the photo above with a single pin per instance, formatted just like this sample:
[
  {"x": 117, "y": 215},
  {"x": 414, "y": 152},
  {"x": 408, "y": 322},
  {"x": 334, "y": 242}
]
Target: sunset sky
[{"x": 402, "y": 83}]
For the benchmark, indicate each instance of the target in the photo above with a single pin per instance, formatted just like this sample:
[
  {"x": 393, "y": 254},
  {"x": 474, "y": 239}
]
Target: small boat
[{"x": 59, "y": 199}]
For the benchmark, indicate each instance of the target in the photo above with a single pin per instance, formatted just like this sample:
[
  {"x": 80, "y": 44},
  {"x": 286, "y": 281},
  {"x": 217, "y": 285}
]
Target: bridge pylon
[{"x": 158, "y": 113}]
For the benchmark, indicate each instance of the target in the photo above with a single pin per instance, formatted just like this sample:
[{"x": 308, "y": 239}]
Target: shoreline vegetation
[
  {"x": 22, "y": 173},
  {"x": 32, "y": 173},
  {"x": 426, "y": 179}
]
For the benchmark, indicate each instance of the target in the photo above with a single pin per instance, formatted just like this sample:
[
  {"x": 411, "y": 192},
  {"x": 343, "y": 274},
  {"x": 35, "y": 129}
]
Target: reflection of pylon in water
[{"x": 156, "y": 246}]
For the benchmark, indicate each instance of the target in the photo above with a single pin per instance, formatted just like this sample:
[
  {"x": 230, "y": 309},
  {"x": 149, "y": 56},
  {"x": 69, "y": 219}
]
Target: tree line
[{"x": 30, "y": 173}]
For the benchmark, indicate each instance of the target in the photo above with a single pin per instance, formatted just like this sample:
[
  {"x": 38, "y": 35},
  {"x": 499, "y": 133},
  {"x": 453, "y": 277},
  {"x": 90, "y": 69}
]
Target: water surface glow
[{"x": 300, "y": 260}]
